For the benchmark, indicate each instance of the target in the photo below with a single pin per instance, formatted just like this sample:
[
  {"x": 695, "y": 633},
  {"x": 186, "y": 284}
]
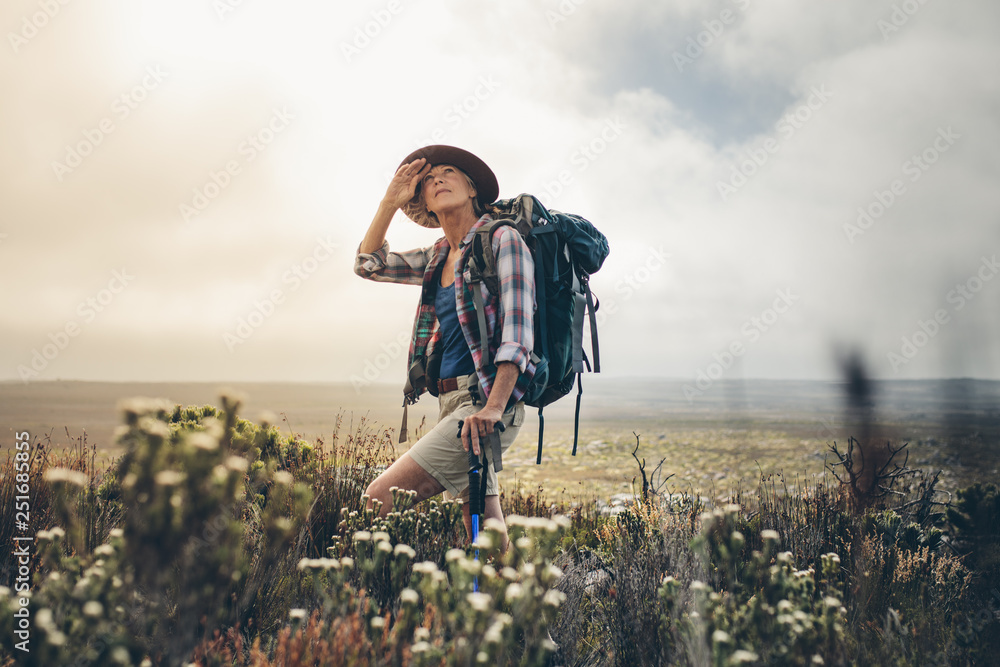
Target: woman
[{"x": 449, "y": 188}]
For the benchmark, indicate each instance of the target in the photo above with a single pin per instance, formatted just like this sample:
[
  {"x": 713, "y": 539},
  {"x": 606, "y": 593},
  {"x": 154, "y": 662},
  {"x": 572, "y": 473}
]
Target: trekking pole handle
[{"x": 461, "y": 422}]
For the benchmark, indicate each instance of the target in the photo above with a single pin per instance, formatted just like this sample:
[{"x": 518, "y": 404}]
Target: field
[
  {"x": 728, "y": 435},
  {"x": 716, "y": 531}
]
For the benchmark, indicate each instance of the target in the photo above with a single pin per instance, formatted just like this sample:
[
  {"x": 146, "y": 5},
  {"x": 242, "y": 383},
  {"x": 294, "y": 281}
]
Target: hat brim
[{"x": 487, "y": 189}]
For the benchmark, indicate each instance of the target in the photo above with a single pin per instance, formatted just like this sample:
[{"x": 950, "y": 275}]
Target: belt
[{"x": 452, "y": 384}]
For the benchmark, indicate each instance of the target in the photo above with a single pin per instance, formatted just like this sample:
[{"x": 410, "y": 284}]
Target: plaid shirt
[{"x": 508, "y": 314}]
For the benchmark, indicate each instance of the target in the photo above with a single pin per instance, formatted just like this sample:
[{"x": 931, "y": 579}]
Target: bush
[{"x": 240, "y": 546}]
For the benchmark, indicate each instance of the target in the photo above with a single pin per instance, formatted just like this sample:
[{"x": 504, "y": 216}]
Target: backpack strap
[
  {"x": 416, "y": 374},
  {"x": 541, "y": 431},
  {"x": 592, "y": 310},
  {"x": 484, "y": 340},
  {"x": 483, "y": 269},
  {"x": 579, "y": 311},
  {"x": 402, "y": 424}
]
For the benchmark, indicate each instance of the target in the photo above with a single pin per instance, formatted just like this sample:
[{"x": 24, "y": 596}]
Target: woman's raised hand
[{"x": 403, "y": 185}]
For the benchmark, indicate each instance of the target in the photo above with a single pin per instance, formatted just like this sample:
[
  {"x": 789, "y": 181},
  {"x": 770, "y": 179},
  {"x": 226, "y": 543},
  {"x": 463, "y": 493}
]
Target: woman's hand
[
  {"x": 403, "y": 185},
  {"x": 479, "y": 426}
]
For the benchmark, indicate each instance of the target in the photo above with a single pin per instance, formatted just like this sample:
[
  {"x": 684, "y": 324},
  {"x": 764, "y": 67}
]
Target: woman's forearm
[
  {"x": 503, "y": 385},
  {"x": 376, "y": 231}
]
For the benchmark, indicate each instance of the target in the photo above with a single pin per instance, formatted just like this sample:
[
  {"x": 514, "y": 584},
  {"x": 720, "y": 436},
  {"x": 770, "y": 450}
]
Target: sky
[{"x": 183, "y": 185}]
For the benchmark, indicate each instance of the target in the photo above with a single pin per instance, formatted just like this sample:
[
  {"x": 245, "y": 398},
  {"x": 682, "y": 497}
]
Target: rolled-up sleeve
[
  {"x": 393, "y": 267},
  {"x": 516, "y": 271}
]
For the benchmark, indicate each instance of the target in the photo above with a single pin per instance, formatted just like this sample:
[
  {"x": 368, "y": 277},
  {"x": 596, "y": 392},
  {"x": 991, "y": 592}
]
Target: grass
[{"x": 221, "y": 541}]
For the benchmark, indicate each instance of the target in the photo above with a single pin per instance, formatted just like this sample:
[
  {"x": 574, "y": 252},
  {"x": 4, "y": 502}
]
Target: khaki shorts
[{"x": 440, "y": 451}]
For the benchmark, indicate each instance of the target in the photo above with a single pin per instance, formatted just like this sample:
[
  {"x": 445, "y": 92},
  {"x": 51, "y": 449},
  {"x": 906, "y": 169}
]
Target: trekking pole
[
  {"x": 475, "y": 473},
  {"x": 477, "y": 488}
]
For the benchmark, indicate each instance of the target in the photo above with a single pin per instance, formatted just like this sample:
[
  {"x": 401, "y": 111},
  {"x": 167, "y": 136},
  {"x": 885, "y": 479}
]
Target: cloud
[{"x": 733, "y": 164}]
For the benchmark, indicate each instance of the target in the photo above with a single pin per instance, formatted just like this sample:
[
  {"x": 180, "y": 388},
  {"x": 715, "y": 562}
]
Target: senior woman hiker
[{"x": 449, "y": 188}]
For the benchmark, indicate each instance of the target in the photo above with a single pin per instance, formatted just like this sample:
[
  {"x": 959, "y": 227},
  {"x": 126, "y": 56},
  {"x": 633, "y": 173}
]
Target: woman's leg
[{"x": 406, "y": 474}]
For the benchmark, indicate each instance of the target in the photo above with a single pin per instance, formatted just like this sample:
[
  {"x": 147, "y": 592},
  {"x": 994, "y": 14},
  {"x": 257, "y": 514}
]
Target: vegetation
[{"x": 217, "y": 541}]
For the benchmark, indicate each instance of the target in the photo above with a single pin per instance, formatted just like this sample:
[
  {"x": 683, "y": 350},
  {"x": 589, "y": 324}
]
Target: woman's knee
[{"x": 378, "y": 490}]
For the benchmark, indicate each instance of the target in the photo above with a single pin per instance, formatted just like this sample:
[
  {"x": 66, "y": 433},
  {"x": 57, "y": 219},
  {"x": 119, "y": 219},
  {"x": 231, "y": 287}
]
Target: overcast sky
[{"x": 183, "y": 184}]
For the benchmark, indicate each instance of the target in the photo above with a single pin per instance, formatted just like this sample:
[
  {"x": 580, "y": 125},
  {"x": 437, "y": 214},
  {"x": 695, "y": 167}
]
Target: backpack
[{"x": 566, "y": 250}]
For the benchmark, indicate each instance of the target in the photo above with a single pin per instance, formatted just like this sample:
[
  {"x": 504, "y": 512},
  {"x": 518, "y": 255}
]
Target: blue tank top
[{"x": 456, "y": 360}]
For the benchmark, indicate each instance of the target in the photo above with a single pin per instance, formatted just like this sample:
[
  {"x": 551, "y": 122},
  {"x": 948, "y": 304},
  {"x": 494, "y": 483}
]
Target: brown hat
[{"x": 487, "y": 189}]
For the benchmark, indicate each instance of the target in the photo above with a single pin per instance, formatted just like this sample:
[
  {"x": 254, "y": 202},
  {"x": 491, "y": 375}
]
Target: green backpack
[{"x": 566, "y": 250}]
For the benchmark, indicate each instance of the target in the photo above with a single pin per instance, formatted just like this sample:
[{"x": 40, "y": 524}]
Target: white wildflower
[
  {"x": 65, "y": 476},
  {"x": 203, "y": 441},
  {"x": 720, "y": 637},
  {"x": 742, "y": 656},
  {"x": 551, "y": 573},
  {"x": 169, "y": 477},
  {"x": 426, "y": 567},
  {"x": 43, "y": 619},
  {"x": 480, "y": 601},
  {"x": 553, "y": 598},
  {"x": 493, "y": 524},
  {"x": 514, "y": 592}
]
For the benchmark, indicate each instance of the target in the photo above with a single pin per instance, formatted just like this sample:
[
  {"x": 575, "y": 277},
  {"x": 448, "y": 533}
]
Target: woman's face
[{"x": 446, "y": 187}]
